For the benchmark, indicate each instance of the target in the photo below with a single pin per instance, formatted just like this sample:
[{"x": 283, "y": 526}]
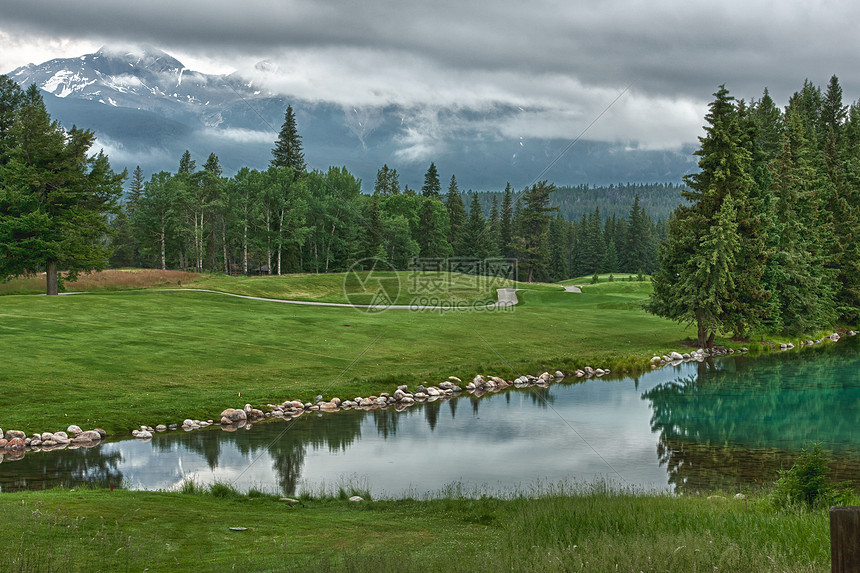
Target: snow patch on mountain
[{"x": 65, "y": 82}]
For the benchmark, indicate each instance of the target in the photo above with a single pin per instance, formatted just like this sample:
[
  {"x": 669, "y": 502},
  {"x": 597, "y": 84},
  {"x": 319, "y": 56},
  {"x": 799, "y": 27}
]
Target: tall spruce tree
[
  {"x": 700, "y": 279},
  {"x": 456, "y": 218},
  {"x": 506, "y": 232},
  {"x": 433, "y": 229},
  {"x": 639, "y": 252},
  {"x": 11, "y": 98},
  {"x": 476, "y": 238},
  {"x": 54, "y": 198},
  {"x": 803, "y": 285},
  {"x": 432, "y": 187},
  {"x": 493, "y": 226},
  {"x": 288, "y": 148},
  {"x": 532, "y": 237}
]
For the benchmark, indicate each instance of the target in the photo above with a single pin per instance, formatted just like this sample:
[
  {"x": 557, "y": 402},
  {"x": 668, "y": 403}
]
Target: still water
[{"x": 731, "y": 423}]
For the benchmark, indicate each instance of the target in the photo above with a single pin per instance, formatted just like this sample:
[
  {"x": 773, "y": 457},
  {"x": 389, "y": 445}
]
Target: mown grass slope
[{"x": 121, "y": 359}]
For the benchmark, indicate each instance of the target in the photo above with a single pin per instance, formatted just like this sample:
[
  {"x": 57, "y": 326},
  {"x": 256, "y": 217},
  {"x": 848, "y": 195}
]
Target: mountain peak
[{"x": 143, "y": 56}]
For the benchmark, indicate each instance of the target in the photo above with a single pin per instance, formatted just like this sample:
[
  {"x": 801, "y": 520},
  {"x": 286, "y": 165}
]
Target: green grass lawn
[
  {"x": 102, "y": 530},
  {"x": 120, "y": 359},
  {"x": 404, "y": 287}
]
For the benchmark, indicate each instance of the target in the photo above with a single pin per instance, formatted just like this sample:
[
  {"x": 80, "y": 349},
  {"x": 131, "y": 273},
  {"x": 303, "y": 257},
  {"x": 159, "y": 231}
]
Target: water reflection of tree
[
  {"x": 431, "y": 412},
  {"x": 287, "y": 442},
  {"x": 743, "y": 420},
  {"x": 541, "y": 397},
  {"x": 61, "y": 468}
]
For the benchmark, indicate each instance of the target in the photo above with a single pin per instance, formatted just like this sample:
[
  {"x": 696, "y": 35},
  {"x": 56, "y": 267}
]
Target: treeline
[
  {"x": 769, "y": 239},
  {"x": 286, "y": 219},
  {"x": 657, "y": 199}
]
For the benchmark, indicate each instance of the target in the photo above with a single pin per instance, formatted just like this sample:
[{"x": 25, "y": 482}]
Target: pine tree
[
  {"x": 559, "y": 265},
  {"x": 11, "y": 98},
  {"x": 432, "y": 187},
  {"x": 456, "y": 219},
  {"x": 374, "y": 232},
  {"x": 135, "y": 190},
  {"x": 387, "y": 182},
  {"x": 804, "y": 287},
  {"x": 700, "y": 278},
  {"x": 55, "y": 199},
  {"x": 493, "y": 228},
  {"x": 505, "y": 235},
  {"x": 476, "y": 237},
  {"x": 288, "y": 148},
  {"x": 187, "y": 165},
  {"x": 533, "y": 232},
  {"x": 433, "y": 229},
  {"x": 639, "y": 249}
]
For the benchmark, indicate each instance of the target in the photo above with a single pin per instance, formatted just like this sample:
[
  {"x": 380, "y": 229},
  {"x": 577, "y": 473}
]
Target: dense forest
[
  {"x": 768, "y": 238},
  {"x": 288, "y": 219}
]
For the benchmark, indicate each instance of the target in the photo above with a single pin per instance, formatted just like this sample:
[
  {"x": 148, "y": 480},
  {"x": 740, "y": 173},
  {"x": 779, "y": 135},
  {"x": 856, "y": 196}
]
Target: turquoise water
[{"x": 730, "y": 424}]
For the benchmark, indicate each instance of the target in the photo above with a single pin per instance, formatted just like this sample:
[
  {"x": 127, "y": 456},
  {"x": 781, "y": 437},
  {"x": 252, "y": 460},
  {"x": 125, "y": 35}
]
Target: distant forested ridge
[{"x": 656, "y": 199}]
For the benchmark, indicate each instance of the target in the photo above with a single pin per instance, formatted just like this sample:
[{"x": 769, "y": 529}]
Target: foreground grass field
[
  {"x": 101, "y": 530},
  {"x": 120, "y": 359}
]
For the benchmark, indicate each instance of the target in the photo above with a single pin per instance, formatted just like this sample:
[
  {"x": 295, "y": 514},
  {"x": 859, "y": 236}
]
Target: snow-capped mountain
[
  {"x": 146, "y": 79},
  {"x": 146, "y": 108}
]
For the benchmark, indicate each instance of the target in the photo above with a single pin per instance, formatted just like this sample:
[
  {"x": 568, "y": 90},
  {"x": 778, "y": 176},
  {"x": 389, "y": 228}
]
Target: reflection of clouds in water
[{"x": 506, "y": 442}]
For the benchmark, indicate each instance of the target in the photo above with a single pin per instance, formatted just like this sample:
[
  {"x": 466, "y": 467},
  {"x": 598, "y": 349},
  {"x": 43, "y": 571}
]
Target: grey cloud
[{"x": 562, "y": 61}]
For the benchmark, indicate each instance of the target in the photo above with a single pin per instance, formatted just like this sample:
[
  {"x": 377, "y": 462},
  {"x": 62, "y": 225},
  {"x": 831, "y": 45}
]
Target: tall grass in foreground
[
  {"x": 616, "y": 532},
  {"x": 591, "y": 528}
]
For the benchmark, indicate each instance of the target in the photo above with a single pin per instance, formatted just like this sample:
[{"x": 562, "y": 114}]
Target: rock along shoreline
[{"x": 15, "y": 443}]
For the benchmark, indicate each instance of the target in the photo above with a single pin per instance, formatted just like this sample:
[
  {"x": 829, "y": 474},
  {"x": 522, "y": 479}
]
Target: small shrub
[
  {"x": 806, "y": 482},
  {"x": 640, "y": 276},
  {"x": 595, "y": 279}
]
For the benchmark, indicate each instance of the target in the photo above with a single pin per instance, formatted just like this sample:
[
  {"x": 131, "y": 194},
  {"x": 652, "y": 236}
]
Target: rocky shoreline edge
[{"x": 14, "y": 443}]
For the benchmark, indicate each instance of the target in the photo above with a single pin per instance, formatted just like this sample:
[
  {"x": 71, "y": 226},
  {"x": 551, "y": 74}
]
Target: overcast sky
[{"x": 562, "y": 62}]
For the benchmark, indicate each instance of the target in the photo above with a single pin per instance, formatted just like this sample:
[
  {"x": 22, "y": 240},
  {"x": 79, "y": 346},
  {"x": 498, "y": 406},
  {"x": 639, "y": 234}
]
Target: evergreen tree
[
  {"x": 559, "y": 265},
  {"x": 492, "y": 228},
  {"x": 804, "y": 289},
  {"x": 374, "y": 232},
  {"x": 699, "y": 274},
  {"x": 432, "y": 187},
  {"x": 11, "y": 98},
  {"x": 505, "y": 233},
  {"x": 533, "y": 231},
  {"x": 477, "y": 241},
  {"x": 135, "y": 190},
  {"x": 639, "y": 249},
  {"x": 387, "y": 181},
  {"x": 288, "y": 148},
  {"x": 456, "y": 219},
  {"x": 432, "y": 234},
  {"x": 610, "y": 258},
  {"x": 846, "y": 221},
  {"x": 187, "y": 165},
  {"x": 54, "y": 199}
]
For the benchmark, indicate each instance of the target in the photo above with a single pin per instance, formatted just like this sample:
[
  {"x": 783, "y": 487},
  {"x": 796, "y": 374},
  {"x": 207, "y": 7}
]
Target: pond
[{"x": 731, "y": 423}]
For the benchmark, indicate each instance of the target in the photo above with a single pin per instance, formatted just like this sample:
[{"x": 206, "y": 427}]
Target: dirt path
[{"x": 506, "y": 297}]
